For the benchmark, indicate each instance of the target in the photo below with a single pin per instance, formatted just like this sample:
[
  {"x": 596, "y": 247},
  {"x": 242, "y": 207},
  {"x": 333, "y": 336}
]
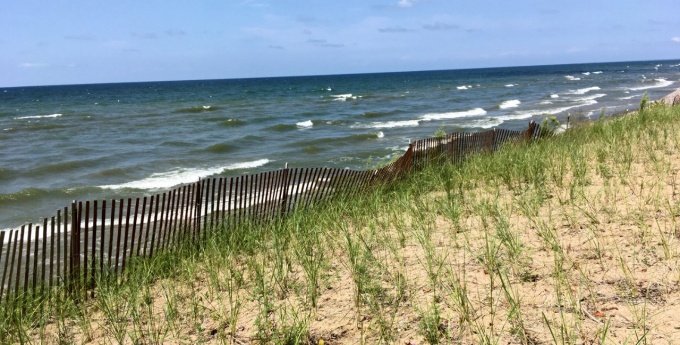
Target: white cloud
[
  {"x": 393, "y": 29},
  {"x": 676, "y": 39},
  {"x": 175, "y": 32},
  {"x": 405, "y": 3},
  {"x": 32, "y": 65},
  {"x": 438, "y": 26}
]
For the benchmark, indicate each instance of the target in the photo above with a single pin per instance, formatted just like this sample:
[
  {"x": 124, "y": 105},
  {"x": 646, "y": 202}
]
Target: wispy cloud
[
  {"x": 324, "y": 43},
  {"x": 81, "y": 37},
  {"x": 405, "y": 3},
  {"x": 276, "y": 47},
  {"x": 253, "y": 3},
  {"x": 306, "y": 19},
  {"x": 676, "y": 39},
  {"x": 439, "y": 26},
  {"x": 145, "y": 35},
  {"x": 394, "y": 29},
  {"x": 32, "y": 65},
  {"x": 175, "y": 32}
]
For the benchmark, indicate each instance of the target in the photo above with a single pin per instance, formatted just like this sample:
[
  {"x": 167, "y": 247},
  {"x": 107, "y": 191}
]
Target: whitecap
[
  {"x": 206, "y": 107},
  {"x": 247, "y": 165},
  {"x": 305, "y": 124},
  {"x": 551, "y": 111},
  {"x": 554, "y": 95},
  {"x": 182, "y": 175},
  {"x": 584, "y": 91},
  {"x": 453, "y": 115},
  {"x": 546, "y": 102},
  {"x": 571, "y": 77},
  {"x": 37, "y": 116},
  {"x": 343, "y": 97},
  {"x": 510, "y": 85},
  {"x": 629, "y": 97},
  {"x": 661, "y": 82},
  {"x": 380, "y": 134},
  {"x": 483, "y": 123},
  {"x": 597, "y": 72},
  {"x": 589, "y": 99},
  {"x": 586, "y": 73},
  {"x": 509, "y": 104},
  {"x": 516, "y": 116},
  {"x": 463, "y": 87},
  {"x": 388, "y": 124}
]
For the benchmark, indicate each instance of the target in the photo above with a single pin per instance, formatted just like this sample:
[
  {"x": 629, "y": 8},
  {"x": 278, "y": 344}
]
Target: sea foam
[
  {"x": 453, "y": 115},
  {"x": 589, "y": 99},
  {"x": 182, "y": 175},
  {"x": 485, "y": 123},
  {"x": 37, "y": 116},
  {"x": 305, "y": 124},
  {"x": 659, "y": 83},
  {"x": 388, "y": 124},
  {"x": 509, "y": 104},
  {"x": 344, "y": 97},
  {"x": 584, "y": 91},
  {"x": 516, "y": 116}
]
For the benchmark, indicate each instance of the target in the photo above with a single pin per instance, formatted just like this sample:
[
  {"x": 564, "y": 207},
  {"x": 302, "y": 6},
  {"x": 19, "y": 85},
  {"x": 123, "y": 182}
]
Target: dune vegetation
[{"x": 570, "y": 239}]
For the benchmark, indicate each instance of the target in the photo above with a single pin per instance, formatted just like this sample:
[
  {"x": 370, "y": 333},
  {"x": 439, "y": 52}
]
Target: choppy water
[{"x": 105, "y": 141}]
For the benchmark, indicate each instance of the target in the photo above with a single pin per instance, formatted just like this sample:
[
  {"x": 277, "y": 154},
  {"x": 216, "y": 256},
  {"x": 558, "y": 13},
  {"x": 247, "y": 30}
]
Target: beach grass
[{"x": 570, "y": 239}]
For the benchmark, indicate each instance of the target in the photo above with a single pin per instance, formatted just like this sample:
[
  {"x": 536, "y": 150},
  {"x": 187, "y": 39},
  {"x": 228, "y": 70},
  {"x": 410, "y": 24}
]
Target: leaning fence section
[{"x": 68, "y": 251}]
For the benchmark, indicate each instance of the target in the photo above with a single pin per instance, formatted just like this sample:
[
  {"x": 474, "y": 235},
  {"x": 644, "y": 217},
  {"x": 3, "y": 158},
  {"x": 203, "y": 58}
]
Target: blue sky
[{"x": 90, "y": 41}]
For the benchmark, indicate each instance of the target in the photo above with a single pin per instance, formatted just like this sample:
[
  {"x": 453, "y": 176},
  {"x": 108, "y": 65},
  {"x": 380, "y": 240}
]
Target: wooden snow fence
[{"x": 65, "y": 253}]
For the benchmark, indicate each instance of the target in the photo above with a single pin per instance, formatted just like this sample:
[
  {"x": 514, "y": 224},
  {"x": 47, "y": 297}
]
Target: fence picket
[
  {"x": 86, "y": 240},
  {"x": 93, "y": 253},
  {"x": 11, "y": 265},
  {"x": 155, "y": 224},
  {"x": 134, "y": 230},
  {"x": 35, "y": 260},
  {"x": 148, "y": 225},
  {"x": 4, "y": 271}
]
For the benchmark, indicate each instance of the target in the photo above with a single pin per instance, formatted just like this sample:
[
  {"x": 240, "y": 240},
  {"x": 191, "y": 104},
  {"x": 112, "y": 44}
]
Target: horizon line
[{"x": 335, "y": 74}]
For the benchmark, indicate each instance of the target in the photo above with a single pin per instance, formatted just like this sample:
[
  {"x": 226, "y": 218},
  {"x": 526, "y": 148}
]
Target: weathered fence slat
[
  {"x": 52, "y": 229},
  {"x": 4, "y": 271},
  {"x": 127, "y": 232},
  {"x": 148, "y": 225},
  {"x": 134, "y": 231},
  {"x": 155, "y": 223},
  {"x": 34, "y": 284},
  {"x": 93, "y": 250},
  {"x": 18, "y": 278},
  {"x": 43, "y": 256},
  {"x": 121, "y": 205},
  {"x": 11, "y": 265}
]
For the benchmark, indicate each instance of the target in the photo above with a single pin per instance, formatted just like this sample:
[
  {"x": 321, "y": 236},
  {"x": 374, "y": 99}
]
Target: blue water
[{"x": 108, "y": 141}]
